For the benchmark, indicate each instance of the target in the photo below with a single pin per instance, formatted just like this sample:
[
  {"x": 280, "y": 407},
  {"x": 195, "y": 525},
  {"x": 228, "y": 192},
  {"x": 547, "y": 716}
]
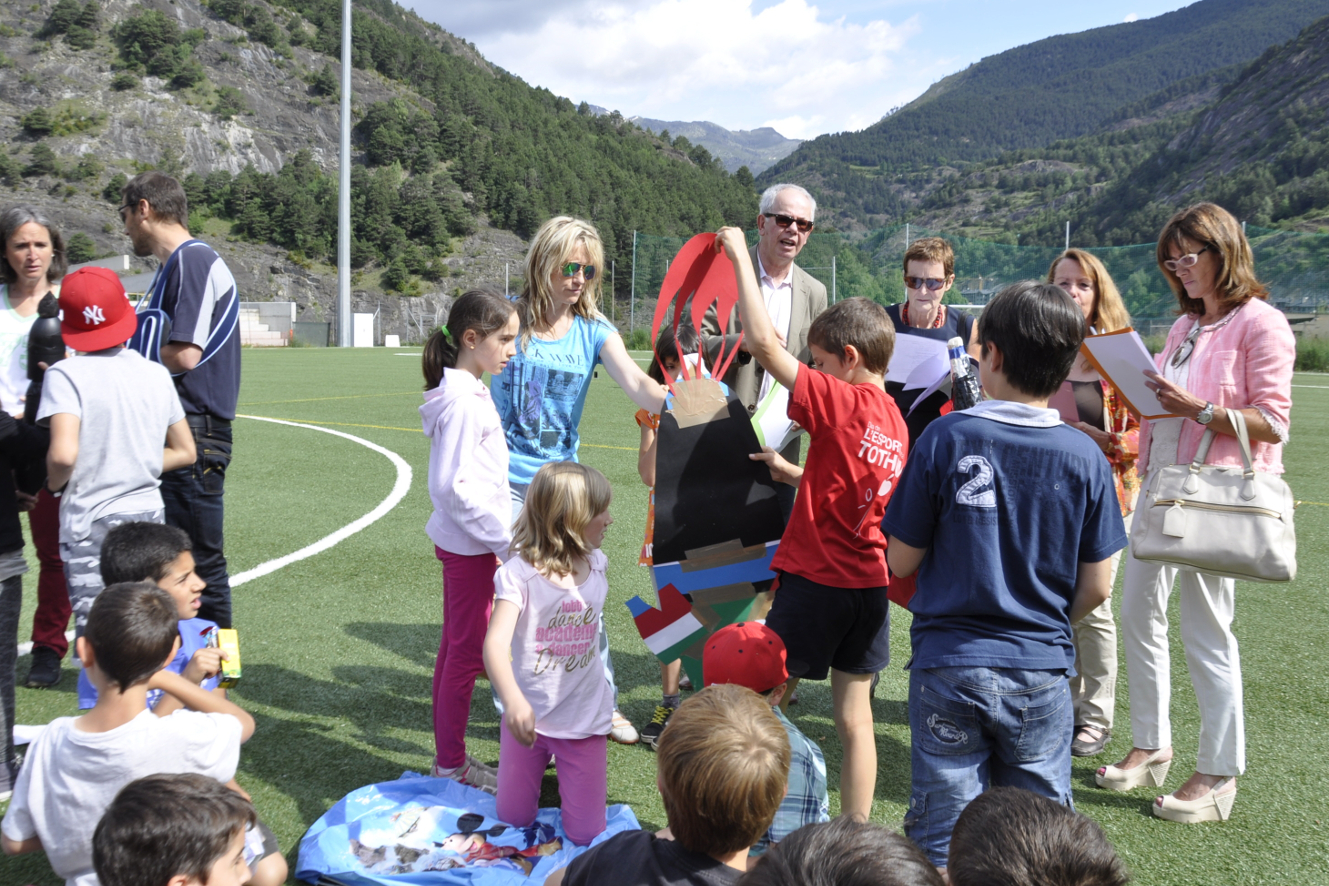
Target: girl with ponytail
[{"x": 470, "y": 525}]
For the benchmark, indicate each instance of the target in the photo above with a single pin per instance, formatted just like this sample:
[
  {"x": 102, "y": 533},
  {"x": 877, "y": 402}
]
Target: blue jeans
[
  {"x": 978, "y": 727},
  {"x": 193, "y": 500}
]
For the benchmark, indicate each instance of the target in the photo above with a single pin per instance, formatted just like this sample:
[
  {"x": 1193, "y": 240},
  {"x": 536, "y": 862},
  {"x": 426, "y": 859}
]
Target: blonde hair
[
  {"x": 723, "y": 761},
  {"x": 563, "y": 498},
  {"x": 1209, "y": 224},
  {"x": 551, "y": 248},
  {"x": 1109, "y": 313}
]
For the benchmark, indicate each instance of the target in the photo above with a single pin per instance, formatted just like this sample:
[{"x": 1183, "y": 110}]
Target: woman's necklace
[{"x": 936, "y": 324}]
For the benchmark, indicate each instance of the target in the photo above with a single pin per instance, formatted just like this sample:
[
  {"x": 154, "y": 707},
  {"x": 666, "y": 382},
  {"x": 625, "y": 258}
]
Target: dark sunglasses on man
[
  {"x": 931, "y": 283},
  {"x": 571, "y": 268},
  {"x": 785, "y": 221}
]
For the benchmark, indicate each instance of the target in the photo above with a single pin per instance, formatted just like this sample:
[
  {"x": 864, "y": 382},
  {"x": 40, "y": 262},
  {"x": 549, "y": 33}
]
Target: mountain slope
[
  {"x": 757, "y": 149},
  {"x": 1030, "y": 96}
]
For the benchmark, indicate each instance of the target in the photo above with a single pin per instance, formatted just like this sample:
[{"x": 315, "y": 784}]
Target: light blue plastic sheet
[{"x": 378, "y": 833}]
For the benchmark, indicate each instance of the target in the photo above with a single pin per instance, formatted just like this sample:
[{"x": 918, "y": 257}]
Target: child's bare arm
[
  {"x": 1091, "y": 588},
  {"x": 517, "y": 713},
  {"x": 20, "y": 847},
  {"x": 646, "y": 455},
  {"x": 205, "y": 664},
  {"x": 782, "y": 471},
  {"x": 556, "y": 878},
  {"x": 759, "y": 335},
  {"x": 63, "y": 451},
  {"x": 197, "y": 698},
  {"x": 902, "y": 558},
  {"x": 180, "y": 451}
]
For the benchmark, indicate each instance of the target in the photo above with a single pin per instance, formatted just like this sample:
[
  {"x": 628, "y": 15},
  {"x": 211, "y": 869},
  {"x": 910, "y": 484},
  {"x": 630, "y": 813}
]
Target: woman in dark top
[
  {"x": 929, "y": 272},
  {"x": 1104, "y": 417}
]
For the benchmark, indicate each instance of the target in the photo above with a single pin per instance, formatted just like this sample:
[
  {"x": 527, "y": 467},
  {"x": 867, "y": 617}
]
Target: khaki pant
[{"x": 1094, "y": 688}]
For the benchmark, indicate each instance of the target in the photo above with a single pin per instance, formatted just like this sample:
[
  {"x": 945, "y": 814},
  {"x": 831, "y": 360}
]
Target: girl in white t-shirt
[{"x": 541, "y": 652}]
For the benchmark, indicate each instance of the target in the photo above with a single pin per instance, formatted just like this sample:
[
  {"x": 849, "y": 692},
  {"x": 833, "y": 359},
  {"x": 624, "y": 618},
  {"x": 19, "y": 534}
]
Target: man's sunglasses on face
[{"x": 785, "y": 221}]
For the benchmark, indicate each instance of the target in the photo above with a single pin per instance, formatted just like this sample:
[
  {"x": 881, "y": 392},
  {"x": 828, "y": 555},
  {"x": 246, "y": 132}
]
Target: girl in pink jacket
[{"x": 470, "y": 525}]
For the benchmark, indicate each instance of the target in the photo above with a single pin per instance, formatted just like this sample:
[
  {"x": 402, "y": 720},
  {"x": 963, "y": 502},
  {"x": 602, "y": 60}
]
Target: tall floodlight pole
[
  {"x": 1068, "y": 235},
  {"x": 632, "y": 297},
  {"x": 344, "y": 188}
]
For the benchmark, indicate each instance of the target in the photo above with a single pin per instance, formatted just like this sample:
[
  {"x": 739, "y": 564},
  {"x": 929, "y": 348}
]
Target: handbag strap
[{"x": 1238, "y": 422}]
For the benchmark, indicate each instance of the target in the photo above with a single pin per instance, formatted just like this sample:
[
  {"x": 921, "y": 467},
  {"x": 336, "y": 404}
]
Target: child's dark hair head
[
  {"x": 1011, "y": 837},
  {"x": 132, "y": 628},
  {"x": 843, "y": 852},
  {"x": 858, "y": 322},
  {"x": 668, "y": 346},
  {"x": 485, "y": 310},
  {"x": 723, "y": 766},
  {"x": 141, "y": 551},
  {"x": 1038, "y": 328},
  {"x": 163, "y": 826}
]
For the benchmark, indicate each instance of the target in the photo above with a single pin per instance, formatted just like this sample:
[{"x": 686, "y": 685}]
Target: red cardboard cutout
[{"x": 700, "y": 273}]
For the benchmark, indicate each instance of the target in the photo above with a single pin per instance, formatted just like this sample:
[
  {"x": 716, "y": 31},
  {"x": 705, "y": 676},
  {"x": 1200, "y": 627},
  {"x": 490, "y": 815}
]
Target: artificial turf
[{"x": 338, "y": 649}]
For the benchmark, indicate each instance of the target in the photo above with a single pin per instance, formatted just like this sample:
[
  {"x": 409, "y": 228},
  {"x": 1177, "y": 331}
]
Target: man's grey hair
[{"x": 768, "y": 197}]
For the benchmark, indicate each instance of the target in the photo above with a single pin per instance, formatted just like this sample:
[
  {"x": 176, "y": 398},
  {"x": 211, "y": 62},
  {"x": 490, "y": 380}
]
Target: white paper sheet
[
  {"x": 913, "y": 352},
  {"x": 771, "y": 419},
  {"x": 1123, "y": 360}
]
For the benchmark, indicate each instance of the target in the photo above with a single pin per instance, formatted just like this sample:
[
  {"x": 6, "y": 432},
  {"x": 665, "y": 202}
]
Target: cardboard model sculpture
[{"x": 717, "y": 518}]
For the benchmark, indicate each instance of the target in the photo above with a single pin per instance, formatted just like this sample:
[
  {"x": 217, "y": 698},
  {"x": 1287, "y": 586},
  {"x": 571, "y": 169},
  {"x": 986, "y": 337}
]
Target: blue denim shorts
[{"x": 980, "y": 727}]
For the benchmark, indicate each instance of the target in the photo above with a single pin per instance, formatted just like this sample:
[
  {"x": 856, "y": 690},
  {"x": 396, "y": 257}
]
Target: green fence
[{"x": 1294, "y": 265}]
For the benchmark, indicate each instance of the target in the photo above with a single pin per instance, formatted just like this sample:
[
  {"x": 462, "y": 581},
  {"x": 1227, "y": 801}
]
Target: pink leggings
[
  {"x": 583, "y": 771},
  {"x": 468, "y": 599}
]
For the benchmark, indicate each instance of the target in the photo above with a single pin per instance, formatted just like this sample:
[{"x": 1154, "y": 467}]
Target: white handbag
[{"x": 1227, "y": 521}]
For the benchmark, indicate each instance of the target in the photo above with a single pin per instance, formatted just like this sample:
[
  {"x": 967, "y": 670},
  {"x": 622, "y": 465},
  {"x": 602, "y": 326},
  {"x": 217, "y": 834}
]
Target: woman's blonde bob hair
[
  {"x": 1208, "y": 224},
  {"x": 1109, "y": 313},
  {"x": 551, "y": 248},
  {"x": 563, "y": 498}
]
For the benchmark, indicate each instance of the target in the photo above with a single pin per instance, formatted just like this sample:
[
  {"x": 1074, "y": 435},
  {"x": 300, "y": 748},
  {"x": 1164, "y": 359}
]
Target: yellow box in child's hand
[{"x": 229, "y": 642}]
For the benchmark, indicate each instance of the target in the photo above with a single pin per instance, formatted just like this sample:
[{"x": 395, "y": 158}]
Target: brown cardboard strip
[
  {"x": 726, "y": 553},
  {"x": 697, "y": 401}
]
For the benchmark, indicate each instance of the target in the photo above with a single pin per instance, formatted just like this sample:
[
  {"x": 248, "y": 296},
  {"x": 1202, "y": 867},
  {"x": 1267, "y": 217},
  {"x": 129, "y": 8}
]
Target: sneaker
[
  {"x": 471, "y": 773},
  {"x": 623, "y": 732},
  {"x": 45, "y": 670},
  {"x": 651, "y": 733}
]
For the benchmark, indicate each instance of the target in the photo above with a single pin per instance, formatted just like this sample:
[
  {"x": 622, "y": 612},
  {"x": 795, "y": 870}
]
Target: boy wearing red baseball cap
[
  {"x": 116, "y": 424},
  {"x": 750, "y": 654}
]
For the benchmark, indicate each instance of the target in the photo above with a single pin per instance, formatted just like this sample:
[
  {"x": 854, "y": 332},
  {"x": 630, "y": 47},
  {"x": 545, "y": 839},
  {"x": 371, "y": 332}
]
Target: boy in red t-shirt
[{"x": 830, "y": 607}]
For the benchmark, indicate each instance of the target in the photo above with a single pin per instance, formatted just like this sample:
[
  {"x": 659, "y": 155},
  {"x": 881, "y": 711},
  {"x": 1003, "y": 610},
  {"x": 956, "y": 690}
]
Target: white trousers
[
  {"x": 1094, "y": 687},
  {"x": 1208, "y": 604}
]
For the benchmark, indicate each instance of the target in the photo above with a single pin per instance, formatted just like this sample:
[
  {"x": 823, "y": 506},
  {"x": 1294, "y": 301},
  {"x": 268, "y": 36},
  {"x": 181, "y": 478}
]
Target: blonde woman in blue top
[{"x": 541, "y": 393}]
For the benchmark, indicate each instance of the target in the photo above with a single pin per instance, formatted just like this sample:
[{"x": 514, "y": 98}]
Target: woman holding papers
[
  {"x": 929, "y": 273},
  {"x": 1231, "y": 350},
  {"x": 1101, "y": 413}
]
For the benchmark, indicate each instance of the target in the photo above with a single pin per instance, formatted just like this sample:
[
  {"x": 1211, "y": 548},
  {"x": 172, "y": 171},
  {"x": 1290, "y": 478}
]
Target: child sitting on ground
[
  {"x": 173, "y": 830},
  {"x": 78, "y": 764},
  {"x": 109, "y": 411},
  {"x": 665, "y": 365},
  {"x": 471, "y": 522},
  {"x": 164, "y": 555},
  {"x": 844, "y": 852},
  {"x": 541, "y": 651},
  {"x": 1012, "y": 837},
  {"x": 1010, "y": 518},
  {"x": 723, "y": 765},
  {"x": 752, "y": 655},
  {"x": 830, "y": 604}
]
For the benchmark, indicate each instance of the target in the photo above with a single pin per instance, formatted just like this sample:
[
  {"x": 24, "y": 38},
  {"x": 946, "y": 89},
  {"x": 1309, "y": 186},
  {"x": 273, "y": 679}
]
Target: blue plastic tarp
[{"x": 419, "y": 830}]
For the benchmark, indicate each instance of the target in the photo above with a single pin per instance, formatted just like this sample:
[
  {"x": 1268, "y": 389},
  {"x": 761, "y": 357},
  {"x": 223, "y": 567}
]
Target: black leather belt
[{"x": 206, "y": 422}]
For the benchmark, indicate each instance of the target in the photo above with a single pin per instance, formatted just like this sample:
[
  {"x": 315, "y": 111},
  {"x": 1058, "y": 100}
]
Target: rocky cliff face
[{"x": 153, "y": 126}]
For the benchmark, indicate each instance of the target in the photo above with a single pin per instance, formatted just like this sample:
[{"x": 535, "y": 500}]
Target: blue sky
[{"x": 803, "y": 66}]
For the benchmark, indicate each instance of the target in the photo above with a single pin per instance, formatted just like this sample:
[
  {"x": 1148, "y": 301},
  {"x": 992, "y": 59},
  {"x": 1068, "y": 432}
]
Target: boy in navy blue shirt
[{"x": 1010, "y": 518}]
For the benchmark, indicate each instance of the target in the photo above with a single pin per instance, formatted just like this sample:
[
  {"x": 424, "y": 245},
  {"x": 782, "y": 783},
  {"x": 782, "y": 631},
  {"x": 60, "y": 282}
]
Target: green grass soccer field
[{"x": 338, "y": 648}]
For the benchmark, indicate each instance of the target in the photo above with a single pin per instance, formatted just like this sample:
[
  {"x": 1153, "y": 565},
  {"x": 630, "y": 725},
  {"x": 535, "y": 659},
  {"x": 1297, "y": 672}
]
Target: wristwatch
[{"x": 1206, "y": 414}]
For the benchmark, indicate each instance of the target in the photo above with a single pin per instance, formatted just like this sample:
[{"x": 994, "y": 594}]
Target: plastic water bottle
[
  {"x": 964, "y": 386},
  {"x": 45, "y": 345}
]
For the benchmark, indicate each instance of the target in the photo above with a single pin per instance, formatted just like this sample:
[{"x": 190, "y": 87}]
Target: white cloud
[
  {"x": 1131, "y": 17},
  {"x": 786, "y": 65}
]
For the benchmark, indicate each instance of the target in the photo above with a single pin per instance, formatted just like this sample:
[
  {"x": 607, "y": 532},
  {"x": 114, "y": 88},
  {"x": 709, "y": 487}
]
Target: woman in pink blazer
[{"x": 1229, "y": 349}]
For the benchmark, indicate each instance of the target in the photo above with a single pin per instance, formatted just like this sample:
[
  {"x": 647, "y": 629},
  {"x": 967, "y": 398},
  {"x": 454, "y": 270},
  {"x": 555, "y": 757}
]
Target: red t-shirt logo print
[{"x": 93, "y": 316}]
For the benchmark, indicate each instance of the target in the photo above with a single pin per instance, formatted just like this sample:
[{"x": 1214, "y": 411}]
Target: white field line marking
[
  {"x": 1321, "y": 387},
  {"x": 399, "y": 490}
]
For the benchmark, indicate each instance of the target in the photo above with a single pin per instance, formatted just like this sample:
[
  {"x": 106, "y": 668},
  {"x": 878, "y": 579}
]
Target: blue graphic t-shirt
[
  {"x": 1008, "y": 501},
  {"x": 541, "y": 393},
  {"x": 193, "y": 637}
]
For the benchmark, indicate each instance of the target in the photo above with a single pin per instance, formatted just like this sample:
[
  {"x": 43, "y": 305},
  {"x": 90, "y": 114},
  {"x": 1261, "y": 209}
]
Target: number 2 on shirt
[{"x": 973, "y": 493}]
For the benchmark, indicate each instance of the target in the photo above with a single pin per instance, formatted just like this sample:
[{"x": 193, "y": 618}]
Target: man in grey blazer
[{"x": 793, "y": 300}]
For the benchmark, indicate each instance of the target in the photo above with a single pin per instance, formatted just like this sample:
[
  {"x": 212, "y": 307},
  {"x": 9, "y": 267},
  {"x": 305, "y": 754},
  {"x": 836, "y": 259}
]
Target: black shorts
[{"x": 848, "y": 629}]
